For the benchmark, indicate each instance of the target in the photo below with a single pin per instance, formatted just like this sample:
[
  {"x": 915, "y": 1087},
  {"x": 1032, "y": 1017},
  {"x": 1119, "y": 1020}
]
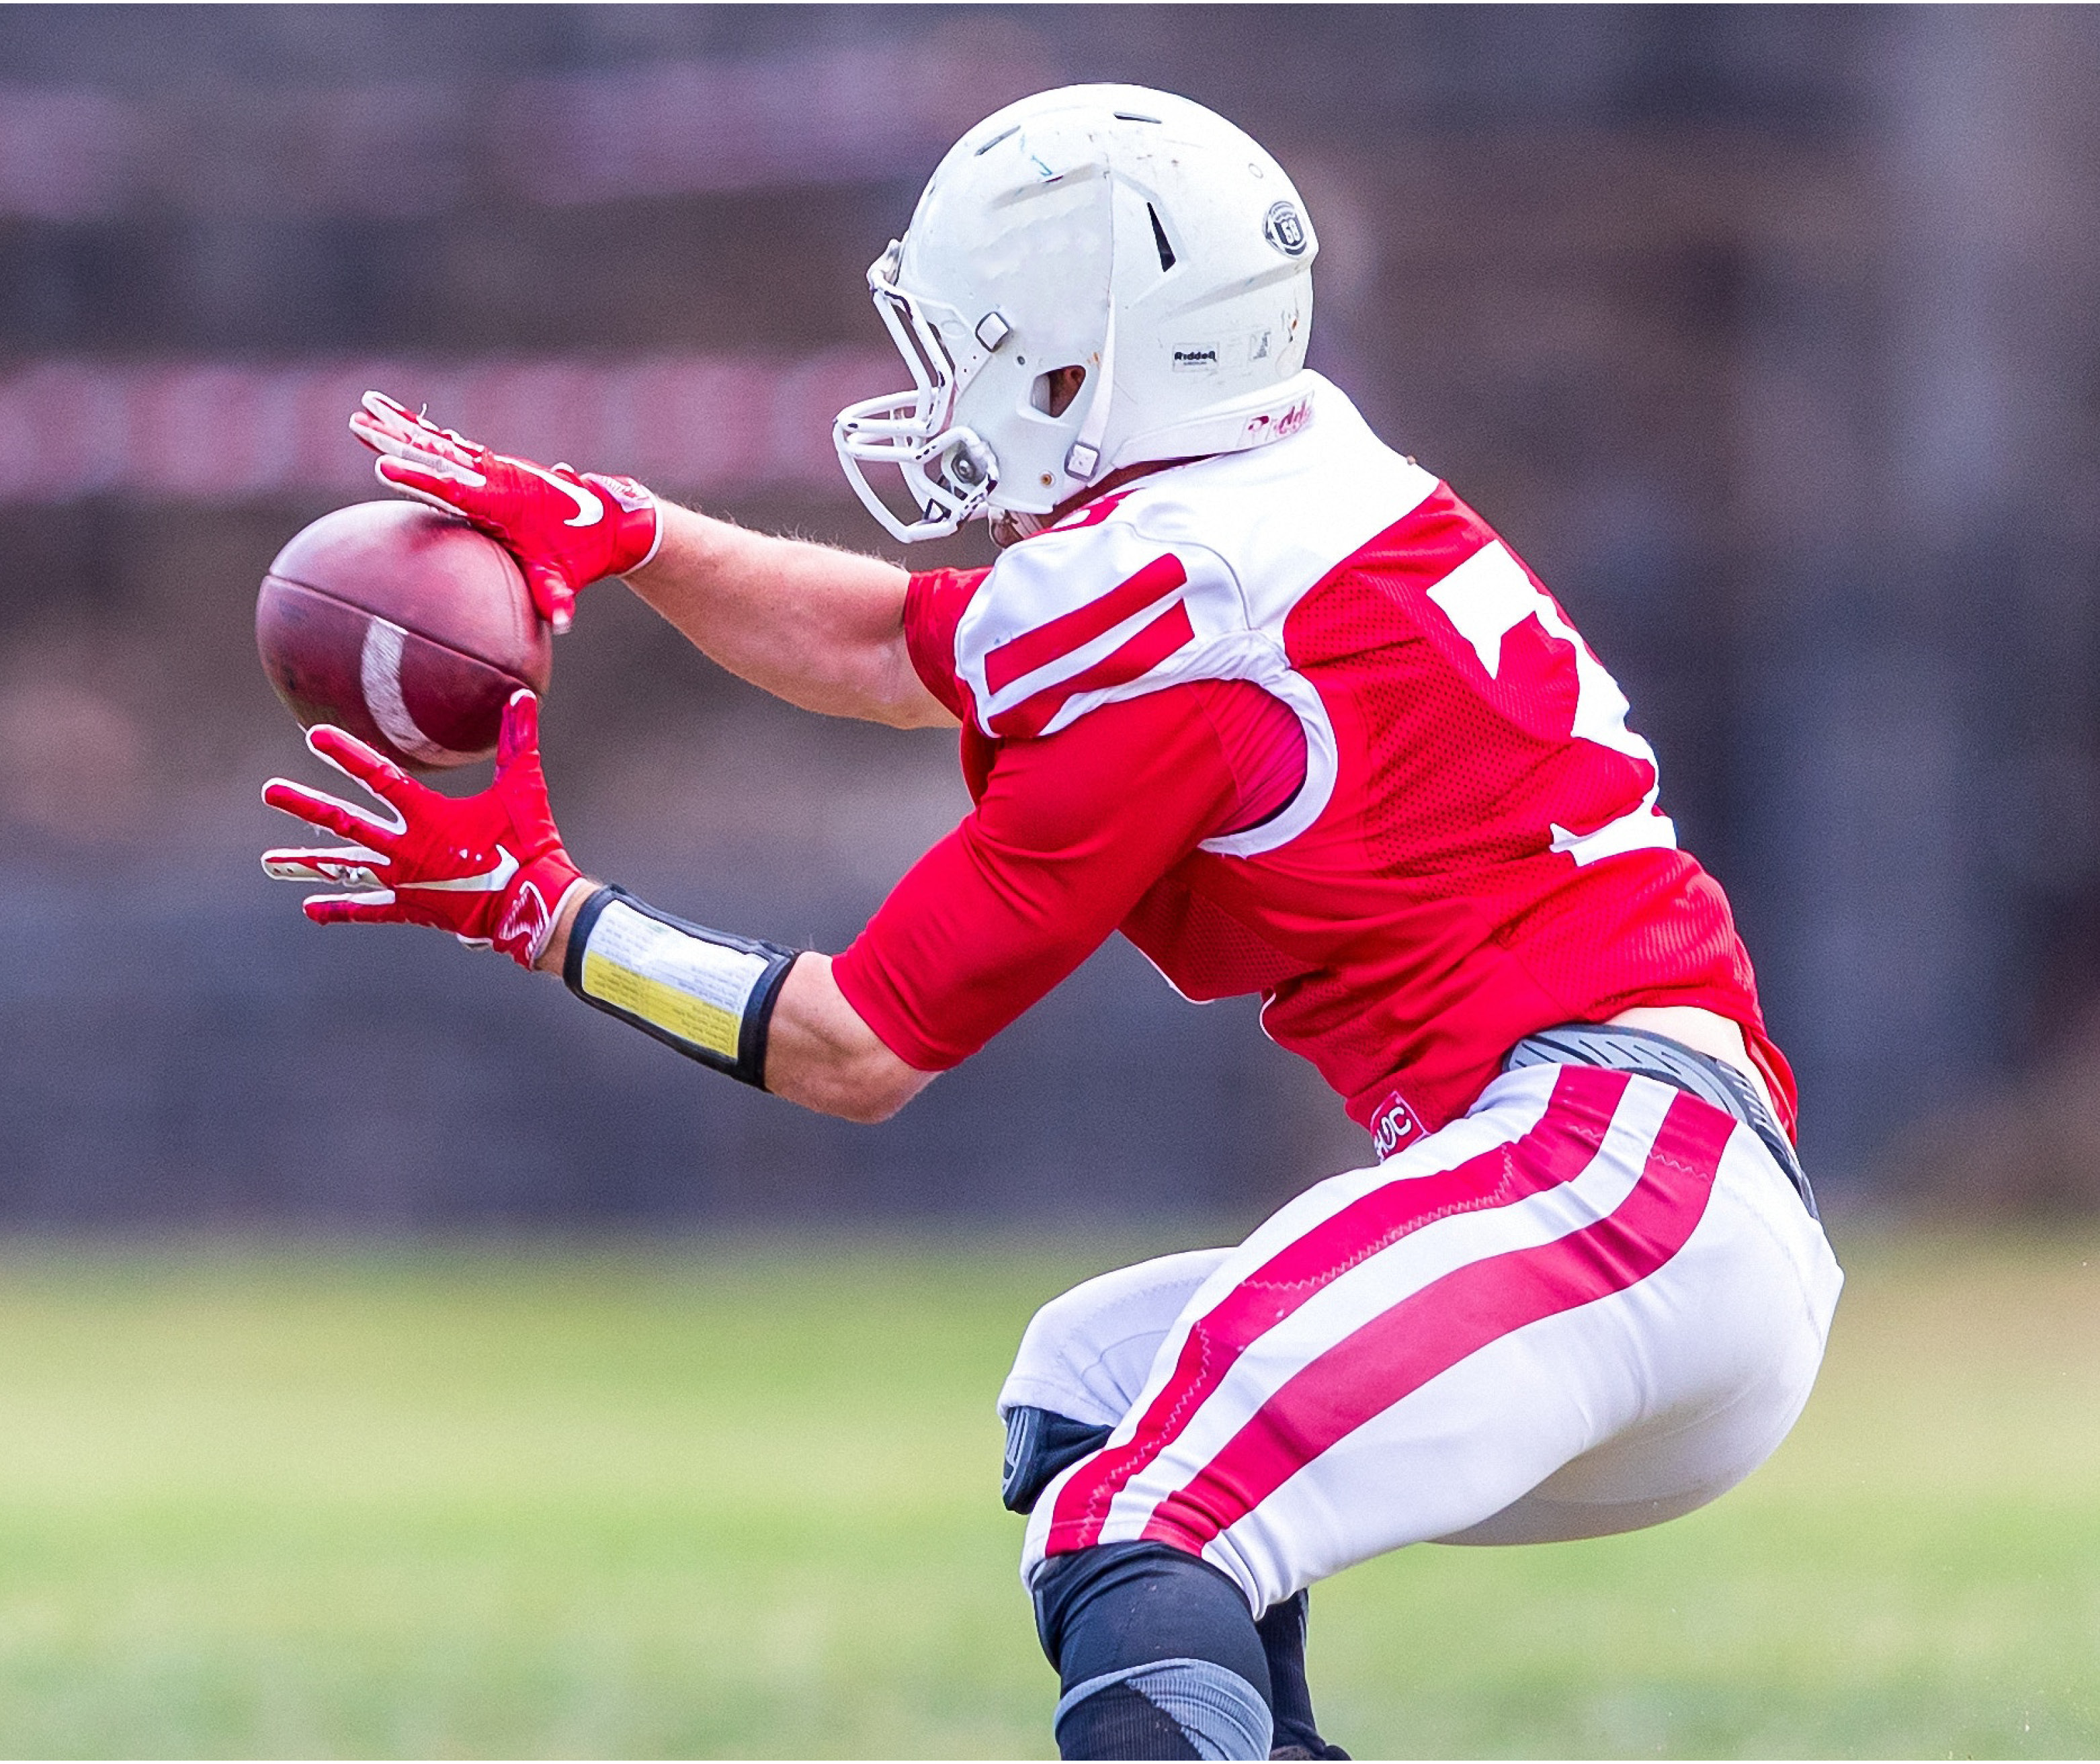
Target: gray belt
[{"x": 1618, "y": 1048}]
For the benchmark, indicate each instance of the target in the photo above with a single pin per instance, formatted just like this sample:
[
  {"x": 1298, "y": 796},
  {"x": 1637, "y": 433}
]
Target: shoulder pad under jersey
[
  {"x": 1190, "y": 574},
  {"x": 1187, "y": 574},
  {"x": 1082, "y": 616}
]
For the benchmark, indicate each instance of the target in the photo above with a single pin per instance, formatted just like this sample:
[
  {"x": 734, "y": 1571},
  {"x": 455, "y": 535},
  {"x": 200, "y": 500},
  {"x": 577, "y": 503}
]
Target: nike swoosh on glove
[
  {"x": 565, "y": 528},
  {"x": 489, "y": 868}
]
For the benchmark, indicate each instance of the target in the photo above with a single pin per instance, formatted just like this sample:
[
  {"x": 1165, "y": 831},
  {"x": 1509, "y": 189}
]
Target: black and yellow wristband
[{"x": 707, "y": 994}]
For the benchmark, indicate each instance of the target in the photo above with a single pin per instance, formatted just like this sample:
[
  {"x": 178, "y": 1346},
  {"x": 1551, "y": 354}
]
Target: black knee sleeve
[
  {"x": 1040, "y": 1442},
  {"x": 1281, "y": 1628},
  {"x": 1157, "y": 1653}
]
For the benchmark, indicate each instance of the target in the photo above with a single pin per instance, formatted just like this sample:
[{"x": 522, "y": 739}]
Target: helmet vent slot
[
  {"x": 1131, "y": 115},
  {"x": 1004, "y": 134},
  {"x": 1159, "y": 239}
]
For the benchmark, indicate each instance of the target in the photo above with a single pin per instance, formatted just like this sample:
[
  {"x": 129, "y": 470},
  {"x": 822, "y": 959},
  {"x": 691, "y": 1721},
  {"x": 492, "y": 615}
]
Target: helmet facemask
[{"x": 948, "y": 470}]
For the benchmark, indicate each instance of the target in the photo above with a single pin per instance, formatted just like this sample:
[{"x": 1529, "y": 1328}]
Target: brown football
[{"x": 405, "y": 626}]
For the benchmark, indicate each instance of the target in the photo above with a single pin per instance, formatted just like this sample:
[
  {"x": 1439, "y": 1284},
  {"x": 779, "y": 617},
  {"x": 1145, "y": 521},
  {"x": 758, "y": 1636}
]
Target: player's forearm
[
  {"x": 821, "y": 628},
  {"x": 818, "y": 1051}
]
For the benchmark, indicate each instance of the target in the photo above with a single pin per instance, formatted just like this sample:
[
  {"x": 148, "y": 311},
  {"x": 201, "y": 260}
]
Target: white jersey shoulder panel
[{"x": 1189, "y": 574}]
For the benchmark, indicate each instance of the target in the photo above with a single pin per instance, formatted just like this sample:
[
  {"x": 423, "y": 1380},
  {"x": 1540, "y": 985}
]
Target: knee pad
[
  {"x": 1039, "y": 1445},
  {"x": 1157, "y": 1654},
  {"x": 1171, "y": 1709}
]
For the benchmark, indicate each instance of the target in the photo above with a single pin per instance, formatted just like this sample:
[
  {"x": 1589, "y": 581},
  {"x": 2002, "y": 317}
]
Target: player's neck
[{"x": 1009, "y": 529}]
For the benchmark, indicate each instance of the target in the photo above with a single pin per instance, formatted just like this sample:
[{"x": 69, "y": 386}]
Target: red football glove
[
  {"x": 489, "y": 868},
  {"x": 565, "y": 528}
]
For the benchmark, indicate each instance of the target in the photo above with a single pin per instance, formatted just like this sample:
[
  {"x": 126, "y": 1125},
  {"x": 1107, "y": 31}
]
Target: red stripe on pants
[
  {"x": 1559, "y": 1147},
  {"x": 1431, "y": 1330}
]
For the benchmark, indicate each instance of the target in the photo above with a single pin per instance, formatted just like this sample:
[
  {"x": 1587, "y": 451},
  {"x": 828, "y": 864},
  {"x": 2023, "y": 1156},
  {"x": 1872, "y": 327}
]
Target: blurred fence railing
[
  {"x": 226, "y": 431},
  {"x": 843, "y": 115}
]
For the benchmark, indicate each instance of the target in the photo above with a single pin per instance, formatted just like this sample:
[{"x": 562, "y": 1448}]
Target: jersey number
[{"x": 1487, "y": 597}]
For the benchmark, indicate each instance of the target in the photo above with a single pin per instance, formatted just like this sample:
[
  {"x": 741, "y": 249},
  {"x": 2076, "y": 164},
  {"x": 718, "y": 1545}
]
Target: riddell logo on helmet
[
  {"x": 1184, "y": 359},
  {"x": 1285, "y": 229}
]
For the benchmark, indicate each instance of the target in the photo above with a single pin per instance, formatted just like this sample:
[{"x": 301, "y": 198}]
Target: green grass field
[{"x": 741, "y": 1502}]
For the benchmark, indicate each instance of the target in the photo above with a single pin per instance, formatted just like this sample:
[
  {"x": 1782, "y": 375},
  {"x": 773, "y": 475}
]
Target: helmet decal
[{"x": 1285, "y": 230}]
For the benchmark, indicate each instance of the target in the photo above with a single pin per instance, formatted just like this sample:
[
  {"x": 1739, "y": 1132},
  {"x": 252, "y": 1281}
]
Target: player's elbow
[
  {"x": 867, "y": 1086},
  {"x": 866, "y": 1103},
  {"x": 877, "y": 1087},
  {"x": 822, "y": 1055},
  {"x": 868, "y": 1110}
]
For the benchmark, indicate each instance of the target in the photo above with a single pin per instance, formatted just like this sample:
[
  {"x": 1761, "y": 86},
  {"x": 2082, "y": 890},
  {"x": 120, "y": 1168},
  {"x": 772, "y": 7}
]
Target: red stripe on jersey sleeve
[
  {"x": 1059, "y": 636},
  {"x": 1143, "y": 653}
]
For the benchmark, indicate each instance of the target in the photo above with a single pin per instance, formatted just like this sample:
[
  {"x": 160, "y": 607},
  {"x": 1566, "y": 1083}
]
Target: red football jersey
[{"x": 1451, "y": 839}]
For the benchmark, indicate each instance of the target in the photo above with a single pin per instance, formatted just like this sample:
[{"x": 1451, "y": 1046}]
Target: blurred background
[
  {"x": 398, "y": 1359},
  {"x": 1765, "y": 335}
]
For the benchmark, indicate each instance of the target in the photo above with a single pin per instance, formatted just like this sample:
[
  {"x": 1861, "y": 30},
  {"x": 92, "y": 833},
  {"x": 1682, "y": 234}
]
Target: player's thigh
[
  {"x": 1086, "y": 1354},
  {"x": 1718, "y": 1352},
  {"x": 1404, "y": 1352}
]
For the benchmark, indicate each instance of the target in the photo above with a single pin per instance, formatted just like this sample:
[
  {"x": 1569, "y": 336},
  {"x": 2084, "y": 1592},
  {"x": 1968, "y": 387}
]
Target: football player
[{"x": 1266, "y": 696}]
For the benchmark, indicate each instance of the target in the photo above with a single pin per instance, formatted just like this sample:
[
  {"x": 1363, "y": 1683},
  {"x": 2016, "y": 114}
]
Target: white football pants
[{"x": 1594, "y": 1303}]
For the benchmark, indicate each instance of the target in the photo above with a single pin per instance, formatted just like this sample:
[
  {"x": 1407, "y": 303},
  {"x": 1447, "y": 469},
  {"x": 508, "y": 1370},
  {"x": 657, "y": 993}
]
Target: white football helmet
[{"x": 1129, "y": 232}]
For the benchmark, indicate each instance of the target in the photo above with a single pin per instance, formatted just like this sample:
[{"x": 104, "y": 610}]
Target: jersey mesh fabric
[{"x": 1418, "y": 929}]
